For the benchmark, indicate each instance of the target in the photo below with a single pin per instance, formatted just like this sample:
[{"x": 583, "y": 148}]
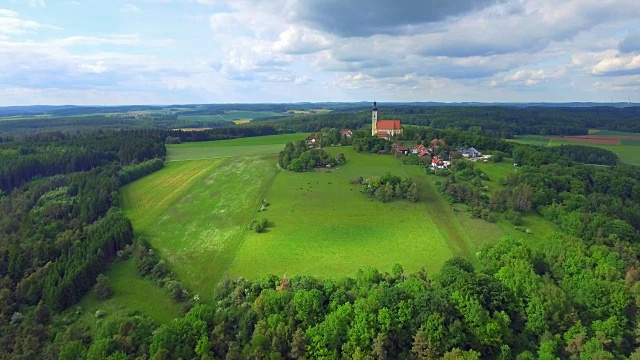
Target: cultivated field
[{"x": 232, "y": 116}]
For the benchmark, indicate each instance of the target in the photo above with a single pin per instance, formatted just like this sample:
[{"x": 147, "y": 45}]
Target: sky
[{"x": 116, "y": 52}]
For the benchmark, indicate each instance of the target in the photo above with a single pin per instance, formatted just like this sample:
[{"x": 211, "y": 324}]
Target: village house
[
  {"x": 385, "y": 129},
  {"x": 346, "y": 132},
  {"x": 437, "y": 163},
  {"x": 420, "y": 150},
  {"x": 470, "y": 153},
  {"x": 311, "y": 140}
]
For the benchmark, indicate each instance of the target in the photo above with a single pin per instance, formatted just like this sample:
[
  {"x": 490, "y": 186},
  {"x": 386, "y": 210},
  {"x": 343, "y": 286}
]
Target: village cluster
[{"x": 390, "y": 129}]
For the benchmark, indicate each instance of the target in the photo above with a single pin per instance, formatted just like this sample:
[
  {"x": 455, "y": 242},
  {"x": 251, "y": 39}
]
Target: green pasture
[
  {"x": 325, "y": 226},
  {"x": 231, "y": 148},
  {"x": 131, "y": 293},
  {"x": 199, "y": 228},
  {"x": 531, "y": 140}
]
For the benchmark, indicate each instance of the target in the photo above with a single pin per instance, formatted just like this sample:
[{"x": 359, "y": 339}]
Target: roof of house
[
  {"x": 435, "y": 160},
  {"x": 345, "y": 131},
  {"x": 435, "y": 141},
  {"x": 403, "y": 148},
  {"x": 388, "y": 125},
  {"x": 382, "y": 134}
]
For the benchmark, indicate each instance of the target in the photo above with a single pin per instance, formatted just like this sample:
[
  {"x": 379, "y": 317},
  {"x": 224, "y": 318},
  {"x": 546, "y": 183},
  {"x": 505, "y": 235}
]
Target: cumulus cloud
[
  {"x": 12, "y": 24},
  {"x": 618, "y": 65},
  {"x": 300, "y": 40}
]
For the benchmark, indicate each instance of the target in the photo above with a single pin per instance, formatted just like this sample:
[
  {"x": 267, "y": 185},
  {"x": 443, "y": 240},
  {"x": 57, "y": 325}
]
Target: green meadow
[
  {"x": 200, "y": 228},
  {"x": 230, "y": 148},
  {"x": 325, "y": 226}
]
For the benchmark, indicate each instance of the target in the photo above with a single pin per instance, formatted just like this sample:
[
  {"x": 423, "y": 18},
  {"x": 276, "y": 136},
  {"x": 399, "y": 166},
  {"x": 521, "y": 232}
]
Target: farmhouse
[
  {"x": 437, "y": 163},
  {"x": 385, "y": 129},
  {"x": 471, "y": 153},
  {"x": 420, "y": 150}
]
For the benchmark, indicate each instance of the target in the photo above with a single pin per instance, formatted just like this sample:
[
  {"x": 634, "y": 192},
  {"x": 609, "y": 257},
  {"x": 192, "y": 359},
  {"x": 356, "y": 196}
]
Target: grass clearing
[
  {"x": 325, "y": 226},
  {"x": 531, "y": 140},
  {"x": 131, "y": 293},
  {"x": 145, "y": 200},
  {"x": 200, "y": 230},
  {"x": 231, "y": 148}
]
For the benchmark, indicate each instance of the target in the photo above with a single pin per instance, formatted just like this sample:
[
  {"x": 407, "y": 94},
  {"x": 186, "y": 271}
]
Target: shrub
[{"x": 103, "y": 288}]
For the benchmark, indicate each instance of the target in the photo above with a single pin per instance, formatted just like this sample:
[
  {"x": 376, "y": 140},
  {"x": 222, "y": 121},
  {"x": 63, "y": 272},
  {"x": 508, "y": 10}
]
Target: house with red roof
[{"x": 384, "y": 128}]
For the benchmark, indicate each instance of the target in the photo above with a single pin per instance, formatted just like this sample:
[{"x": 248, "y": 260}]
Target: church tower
[{"x": 374, "y": 119}]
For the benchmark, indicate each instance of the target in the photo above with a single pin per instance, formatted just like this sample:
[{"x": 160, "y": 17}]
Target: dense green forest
[{"x": 60, "y": 225}]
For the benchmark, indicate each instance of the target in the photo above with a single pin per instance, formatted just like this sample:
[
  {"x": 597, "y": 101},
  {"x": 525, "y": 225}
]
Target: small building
[
  {"x": 346, "y": 132},
  {"x": 437, "y": 163},
  {"x": 311, "y": 140},
  {"x": 420, "y": 150},
  {"x": 471, "y": 153}
]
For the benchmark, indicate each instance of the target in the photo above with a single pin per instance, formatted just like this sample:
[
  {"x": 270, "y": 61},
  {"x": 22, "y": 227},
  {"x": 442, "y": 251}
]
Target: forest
[{"x": 60, "y": 225}]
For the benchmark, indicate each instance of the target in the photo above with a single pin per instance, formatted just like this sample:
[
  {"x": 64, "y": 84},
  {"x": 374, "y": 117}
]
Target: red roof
[
  {"x": 435, "y": 160},
  {"x": 388, "y": 125}
]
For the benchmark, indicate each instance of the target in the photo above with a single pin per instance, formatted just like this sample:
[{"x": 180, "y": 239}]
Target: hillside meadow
[{"x": 324, "y": 225}]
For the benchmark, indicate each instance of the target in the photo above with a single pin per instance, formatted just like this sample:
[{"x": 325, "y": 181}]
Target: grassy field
[
  {"x": 531, "y": 140},
  {"x": 324, "y": 226},
  {"x": 195, "y": 213},
  {"x": 132, "y": 293},
  {"x": 231, "y": 148}
]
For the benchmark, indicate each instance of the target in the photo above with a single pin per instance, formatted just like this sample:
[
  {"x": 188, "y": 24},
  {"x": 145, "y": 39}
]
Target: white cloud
[
  {"x": 8, "y": 13},
  {"x": 618, "y": 65},
  {"x": 300, "y": 40}
]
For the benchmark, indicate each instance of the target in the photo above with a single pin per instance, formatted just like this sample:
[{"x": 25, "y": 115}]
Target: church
[{"x": 384, "y": 128}]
